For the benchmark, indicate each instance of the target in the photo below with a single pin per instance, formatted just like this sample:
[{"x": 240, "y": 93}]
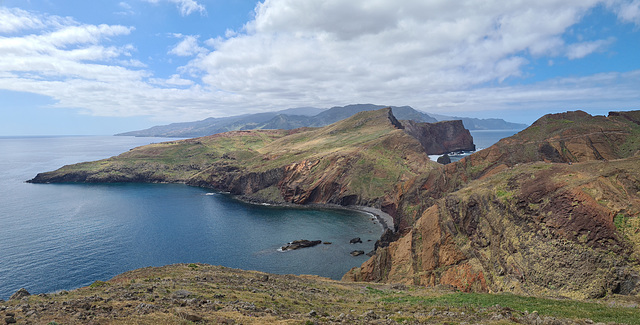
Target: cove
[{"x": 63, "y": 236}]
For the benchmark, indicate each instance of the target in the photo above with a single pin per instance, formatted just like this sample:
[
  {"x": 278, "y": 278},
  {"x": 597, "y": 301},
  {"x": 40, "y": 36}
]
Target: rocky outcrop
[
  {"x": 553, "y": 210},
  {"x": 561, "y": 230},
  {"x": 20, "y": 294},
  {"x": 442, "y": 137},
  {"x": 445, "y": 159}
]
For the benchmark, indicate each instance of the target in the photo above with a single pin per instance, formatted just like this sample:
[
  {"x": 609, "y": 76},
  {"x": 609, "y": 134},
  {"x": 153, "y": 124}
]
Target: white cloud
[
  {"x": 187, "y": 47},
  {"x": 127, "y": 10},
  {"x": 186, "y": 7},
  {"x": 580, "y": 50},
  {"x": 437, "y": 56},
  {"x": 613, "y": 90},
  {"x": 332, "y": 51},
  {"x": 629, "y": 11},
  {"x": 14, "y": 20},
  {"x": 174, "y": 80}
]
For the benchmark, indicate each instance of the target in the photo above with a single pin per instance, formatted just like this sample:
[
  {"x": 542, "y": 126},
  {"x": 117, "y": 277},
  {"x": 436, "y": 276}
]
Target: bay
[{"x": 63, "y": 236}]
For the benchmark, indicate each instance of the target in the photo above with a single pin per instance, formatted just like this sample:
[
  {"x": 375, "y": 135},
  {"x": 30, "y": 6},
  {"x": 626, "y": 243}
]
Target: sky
[{"x": 103, "y": 67}]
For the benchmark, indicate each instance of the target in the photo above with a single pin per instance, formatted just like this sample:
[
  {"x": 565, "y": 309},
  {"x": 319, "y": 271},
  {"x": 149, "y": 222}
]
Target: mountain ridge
[{"x": 302, "y": 117}]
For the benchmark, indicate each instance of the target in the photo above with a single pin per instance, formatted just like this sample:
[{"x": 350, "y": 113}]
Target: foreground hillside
[{"x": 197, "y": 293}]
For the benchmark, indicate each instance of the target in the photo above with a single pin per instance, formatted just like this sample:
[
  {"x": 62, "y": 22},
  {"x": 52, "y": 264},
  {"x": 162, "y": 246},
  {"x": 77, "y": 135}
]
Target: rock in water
[
  {"x": 20, "y": 294},
  {"x": 302, "y": 243},
  {"x": 357, "y": 253},
  {"x": 445, "y": 159},
  {"x": 355, "y": 240}
]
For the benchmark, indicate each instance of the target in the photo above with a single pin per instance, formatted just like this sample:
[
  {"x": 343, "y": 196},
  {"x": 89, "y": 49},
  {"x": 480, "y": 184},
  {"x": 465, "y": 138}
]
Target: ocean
[{"x": 63, "y": 236}]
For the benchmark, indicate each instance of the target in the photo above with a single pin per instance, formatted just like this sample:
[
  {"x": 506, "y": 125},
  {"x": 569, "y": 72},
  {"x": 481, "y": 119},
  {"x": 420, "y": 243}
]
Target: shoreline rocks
[{"x": 20, "y": 294}]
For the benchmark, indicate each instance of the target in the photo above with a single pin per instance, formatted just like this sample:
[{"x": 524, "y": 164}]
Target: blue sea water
[
  {"x": 63, "y": 236},
  {"x": 486, "y": 138}
]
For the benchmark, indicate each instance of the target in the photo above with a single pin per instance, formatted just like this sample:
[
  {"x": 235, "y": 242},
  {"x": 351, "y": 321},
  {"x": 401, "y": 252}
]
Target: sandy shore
[{"x": 383, "y": 218}]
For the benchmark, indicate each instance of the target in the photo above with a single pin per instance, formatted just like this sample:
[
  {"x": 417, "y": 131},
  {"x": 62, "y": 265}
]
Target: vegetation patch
[{"x": 551, "y": 307}]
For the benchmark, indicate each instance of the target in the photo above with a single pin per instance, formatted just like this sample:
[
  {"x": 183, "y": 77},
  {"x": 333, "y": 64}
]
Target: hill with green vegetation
[{"x": 368, "y": 159}]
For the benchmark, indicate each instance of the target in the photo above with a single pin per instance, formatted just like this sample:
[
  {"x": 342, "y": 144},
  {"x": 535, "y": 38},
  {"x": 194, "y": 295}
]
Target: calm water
[
  {"x": 486, "y": 138},
  {"x": 62, "y": 236}
]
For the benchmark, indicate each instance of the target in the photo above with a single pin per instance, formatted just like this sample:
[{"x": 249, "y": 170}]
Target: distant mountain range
[{"x": 306, "y": 117}]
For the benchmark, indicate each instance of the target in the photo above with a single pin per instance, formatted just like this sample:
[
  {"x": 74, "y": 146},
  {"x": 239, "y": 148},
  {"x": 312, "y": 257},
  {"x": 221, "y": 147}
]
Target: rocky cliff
[
  {"x": 553, "y": 210},
  {"x": 442, "y": 137}
]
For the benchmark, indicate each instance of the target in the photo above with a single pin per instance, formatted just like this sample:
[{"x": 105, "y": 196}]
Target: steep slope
[
  {"x": 529, "y": 225},
  {"x": 442, "y": 137}
]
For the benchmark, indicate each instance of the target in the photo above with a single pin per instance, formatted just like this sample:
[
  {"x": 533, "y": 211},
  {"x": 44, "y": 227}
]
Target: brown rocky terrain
[
  {"x": 554, "y": 210},
  {"x": 558, "y": 138}
]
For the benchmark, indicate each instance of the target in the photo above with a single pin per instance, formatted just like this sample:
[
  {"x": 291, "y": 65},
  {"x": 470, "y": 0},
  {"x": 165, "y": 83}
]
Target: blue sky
[{"x": 102, "y": 67}]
